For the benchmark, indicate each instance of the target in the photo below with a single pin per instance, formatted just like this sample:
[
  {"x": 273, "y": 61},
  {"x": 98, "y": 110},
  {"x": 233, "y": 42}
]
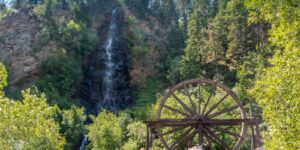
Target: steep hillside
[
  {"x": 27, "y": 42},
  {"x": 23, "y": 45}
]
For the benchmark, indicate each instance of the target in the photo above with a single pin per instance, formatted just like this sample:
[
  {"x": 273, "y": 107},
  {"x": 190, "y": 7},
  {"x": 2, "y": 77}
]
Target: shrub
[
  {"x": 3, "y": 79},
  {"x": 29, "y": 124},
  {"x": 105, "y": 132},
  {"x": 77, "y": 38},
  {"x": 72, "y": 124},
  {"x": 59, "y": 78}
]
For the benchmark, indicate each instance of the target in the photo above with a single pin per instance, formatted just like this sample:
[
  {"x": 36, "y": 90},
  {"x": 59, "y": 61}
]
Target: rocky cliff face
[
  {"x": 156, "y": 36},
  {"x": 24, "y": 45},
  {"x": 22, "y": 48},
  {"x": 106, "y": 81}
]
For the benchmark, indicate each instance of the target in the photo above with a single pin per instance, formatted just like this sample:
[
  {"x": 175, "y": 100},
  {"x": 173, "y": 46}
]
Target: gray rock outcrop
[{"x": 23, "y": 44}]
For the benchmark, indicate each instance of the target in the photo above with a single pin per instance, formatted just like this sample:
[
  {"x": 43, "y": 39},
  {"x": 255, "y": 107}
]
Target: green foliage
[
  {"x": 3, "y": 9},
  {"x": 136, "y": 136},
  {"x": 29, "y": 124},
  {"x": 191, "y": 58},
  {"x": 3, "y": 79},
  {"x": 277, "y": 87},
  {"x": 195, "y": 51},
  {"x": 72, "y": 124},
  {"x": 77, "y": 38},
  {"x": 242, "y": 37},
  {"x": 277, "y": 91},
  {"x": 205, "y": 90},
  {"x": 166, "y": 12},
  {"x": 137, "y": 37},
  {"x": 105, "y": 132},
  {"x": 139, "y": 7},
  {"x": 146, "y": 94},
  {"x": 59, "y": 79},
  {"x": 175, "y": 46},
  {"x": 86, "y": 10},
  {"x": 21, "y": 3}
]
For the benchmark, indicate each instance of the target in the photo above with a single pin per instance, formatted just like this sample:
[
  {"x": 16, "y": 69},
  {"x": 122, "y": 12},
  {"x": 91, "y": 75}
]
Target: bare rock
[{"x": 20, "y": 32}]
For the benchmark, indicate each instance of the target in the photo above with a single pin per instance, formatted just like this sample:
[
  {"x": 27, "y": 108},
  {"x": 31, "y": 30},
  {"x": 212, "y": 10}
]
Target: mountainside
[
  {"x": 90, "y": 74},
  {"x": 23, "y": 45}
]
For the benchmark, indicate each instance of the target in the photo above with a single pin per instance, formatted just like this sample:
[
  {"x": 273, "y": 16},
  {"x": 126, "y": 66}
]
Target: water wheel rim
[{"x": 210, "y": 82}]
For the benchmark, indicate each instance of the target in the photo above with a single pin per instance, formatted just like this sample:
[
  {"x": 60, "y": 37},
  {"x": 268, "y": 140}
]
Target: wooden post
[{"x": 148, "y": 139}]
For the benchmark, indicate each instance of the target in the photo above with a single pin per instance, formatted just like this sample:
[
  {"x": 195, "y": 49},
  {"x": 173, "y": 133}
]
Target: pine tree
[
  {"x": 191, "y": 59},
  {"x": 196, "y": 50},
  {"x": 217, "y": 42},
  {"x": 238, "y": 34}
]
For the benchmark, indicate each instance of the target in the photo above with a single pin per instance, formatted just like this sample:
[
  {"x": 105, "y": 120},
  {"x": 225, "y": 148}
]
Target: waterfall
[
  {"x": 108, "y": 85},
  {"x": 106, "y": 78},
  {"x": 83, "y": 143}
]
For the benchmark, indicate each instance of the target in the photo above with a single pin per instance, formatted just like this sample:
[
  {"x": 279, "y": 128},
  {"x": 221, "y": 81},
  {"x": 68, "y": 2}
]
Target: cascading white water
[
  {"x": 84, "y": 141},
  {"x": 108, "y": 85}
]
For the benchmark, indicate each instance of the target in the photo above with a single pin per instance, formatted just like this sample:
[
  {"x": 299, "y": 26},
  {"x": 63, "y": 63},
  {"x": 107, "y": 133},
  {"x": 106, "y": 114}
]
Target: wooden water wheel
[{"x": 200, "y": 112}]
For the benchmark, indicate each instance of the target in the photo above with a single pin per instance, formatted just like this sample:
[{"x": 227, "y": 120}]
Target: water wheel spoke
[
  {"x": 209, "y": 141},
  {"x": 209, "y": 98},
  {"x": 178, "y": 111},
  {"x": 186, "y": 139},
  {"x": 215, "y": 138},
  {"x": 197, "y": 110},
  {"x": 199, "y": 99},
  {"x": 173, "y": 130},
  {"x": 183, "y": 105},
  {"x": 182, "y": 137},
  {"x": 200, "y": 134},
  {"x": 190, "y": 98},
  {"x": 223, "y": 111},
  {"x": 217, "y": 104},
  {"x": 225, "y": 122},
  {"x": 236, "y": 135}
]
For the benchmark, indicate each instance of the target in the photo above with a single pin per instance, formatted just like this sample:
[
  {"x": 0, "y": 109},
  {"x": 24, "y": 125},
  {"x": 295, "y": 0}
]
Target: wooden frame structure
[{"x": 201, "y": 120}]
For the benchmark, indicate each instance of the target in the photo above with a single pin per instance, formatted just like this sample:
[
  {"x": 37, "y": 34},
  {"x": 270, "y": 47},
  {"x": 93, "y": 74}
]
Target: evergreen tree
[
  {"x": 3, "y": 8},
  {"x": 191, "y": 59},
  {"x": 216, "y": 43},
  {"x": 195, "y": 50},
  {"x": 238, "y": 33}
]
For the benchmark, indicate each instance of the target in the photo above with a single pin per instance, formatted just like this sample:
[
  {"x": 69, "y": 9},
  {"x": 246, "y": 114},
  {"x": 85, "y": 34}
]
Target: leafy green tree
[
  {"x": 29, "y": 124},
  {"x": 3, "y": 79},
  {"x": 59, "y": 77},
  {"x": 277, "y": 87},
  {"x": 3, "y": 9},
  {"x": 18, "y": 3},
  {"x": 77, "y": 38},
  {"x": 72, "y": 124},
  {"x": 105, "y": 132},
  {"x": 136, "y": 136}
]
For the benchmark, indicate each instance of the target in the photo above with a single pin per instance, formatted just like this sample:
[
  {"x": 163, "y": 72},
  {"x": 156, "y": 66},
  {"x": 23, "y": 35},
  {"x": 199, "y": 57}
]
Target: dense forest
[{"x": 86, "y": 74}]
